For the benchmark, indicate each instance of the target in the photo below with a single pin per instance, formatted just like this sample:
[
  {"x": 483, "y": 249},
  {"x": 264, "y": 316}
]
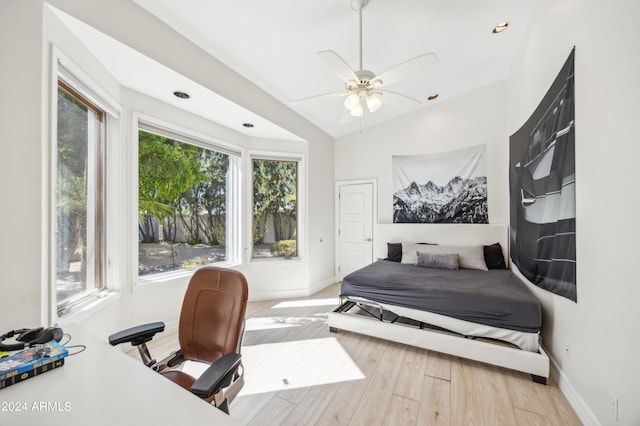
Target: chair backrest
[{"x": 212, "y": 316}]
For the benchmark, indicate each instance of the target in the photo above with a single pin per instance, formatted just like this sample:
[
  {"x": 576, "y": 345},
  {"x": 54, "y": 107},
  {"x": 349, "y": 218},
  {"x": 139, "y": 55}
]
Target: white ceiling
[{"x": 275, "y": 45}]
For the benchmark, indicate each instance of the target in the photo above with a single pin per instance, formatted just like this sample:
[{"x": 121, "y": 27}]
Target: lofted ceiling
[{"x": 275, "y": 44}]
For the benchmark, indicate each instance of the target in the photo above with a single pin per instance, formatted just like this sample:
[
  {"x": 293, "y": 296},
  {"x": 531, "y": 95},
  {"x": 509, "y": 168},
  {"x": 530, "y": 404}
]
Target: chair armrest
[
  {"x": 137, "y": 335},
  {"x": 218, "y": 375}
]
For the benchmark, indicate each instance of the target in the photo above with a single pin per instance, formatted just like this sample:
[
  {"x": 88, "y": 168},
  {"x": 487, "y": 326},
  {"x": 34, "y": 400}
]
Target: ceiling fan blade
[
  {"x": 335, "y": 63},
  {"x": 322, "y": 96},
  {"x": 408, "y": 69},
  {"x": 398, "y": 99}
]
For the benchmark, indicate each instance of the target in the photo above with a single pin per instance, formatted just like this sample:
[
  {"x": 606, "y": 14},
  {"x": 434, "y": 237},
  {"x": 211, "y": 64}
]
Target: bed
[{"x": 464, "y": 309}]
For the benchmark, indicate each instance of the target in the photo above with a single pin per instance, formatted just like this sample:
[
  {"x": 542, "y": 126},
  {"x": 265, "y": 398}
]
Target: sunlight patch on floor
[
  {"x": 269, "y": 323},
  {"x": 288, "y": 365}
]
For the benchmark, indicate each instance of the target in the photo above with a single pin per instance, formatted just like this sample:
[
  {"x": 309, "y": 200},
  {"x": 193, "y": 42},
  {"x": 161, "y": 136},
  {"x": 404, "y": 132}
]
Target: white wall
[
  {"x": 593, "y": 340},
  {"x": 320, "y": 215},
  {"x": 27, "y": 30},
  {"x": 474, "y": 118},
  {"x": 21, "y": 177}
]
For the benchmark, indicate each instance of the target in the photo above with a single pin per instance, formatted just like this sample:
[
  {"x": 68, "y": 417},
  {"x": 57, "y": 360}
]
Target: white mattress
[{"x": 525, "y": 341}]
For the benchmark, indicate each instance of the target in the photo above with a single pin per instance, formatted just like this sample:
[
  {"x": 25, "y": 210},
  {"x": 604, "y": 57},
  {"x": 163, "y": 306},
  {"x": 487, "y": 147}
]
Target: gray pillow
[
  {"x": 469, "y": 257},
  {"x": 439, "y": 261}
]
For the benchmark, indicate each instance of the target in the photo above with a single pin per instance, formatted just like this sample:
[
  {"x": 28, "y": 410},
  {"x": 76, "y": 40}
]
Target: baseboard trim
[
  {"x": 579, "y": 405},
  {"x": 286, "y": 294},
  {"x": 322, "y": 285}
]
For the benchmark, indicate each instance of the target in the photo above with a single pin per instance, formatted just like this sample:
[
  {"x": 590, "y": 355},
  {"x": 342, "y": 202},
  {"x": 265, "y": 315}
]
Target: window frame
[
  {"x": 98, "y": 237},
  {"x": 299, "y": 158},
  {"x": 96, "y": 279},
  {"x": 233, "y": 231}
]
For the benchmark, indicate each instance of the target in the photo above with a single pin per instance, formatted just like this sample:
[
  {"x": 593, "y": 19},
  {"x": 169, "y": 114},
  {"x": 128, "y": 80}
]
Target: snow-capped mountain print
[
  {"x": 447, "y": 187},
  {"x": 459, "y": 201}
]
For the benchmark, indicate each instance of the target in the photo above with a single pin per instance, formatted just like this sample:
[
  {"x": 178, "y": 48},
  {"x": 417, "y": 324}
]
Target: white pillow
[
  {"x": 409, "y": 252},
  {"x": 469, "y": 257}
]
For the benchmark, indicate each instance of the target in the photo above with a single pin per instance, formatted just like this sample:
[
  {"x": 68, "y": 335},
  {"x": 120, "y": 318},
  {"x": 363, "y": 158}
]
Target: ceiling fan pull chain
[{"x": 363, "y": 123}]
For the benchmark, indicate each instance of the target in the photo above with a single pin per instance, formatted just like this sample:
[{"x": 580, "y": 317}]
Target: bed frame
[{"x": 535, "y": 364}]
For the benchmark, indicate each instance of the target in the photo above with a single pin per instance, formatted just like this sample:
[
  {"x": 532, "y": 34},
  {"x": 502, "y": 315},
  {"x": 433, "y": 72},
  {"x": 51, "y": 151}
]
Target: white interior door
[{"x": 355, "y": 227}]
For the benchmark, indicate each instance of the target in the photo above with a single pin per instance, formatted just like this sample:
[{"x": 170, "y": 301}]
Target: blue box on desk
[{"x": 30, "y": 362}]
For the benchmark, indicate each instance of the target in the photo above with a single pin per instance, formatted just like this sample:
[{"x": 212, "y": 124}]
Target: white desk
[{"x": 103, "y": 386}]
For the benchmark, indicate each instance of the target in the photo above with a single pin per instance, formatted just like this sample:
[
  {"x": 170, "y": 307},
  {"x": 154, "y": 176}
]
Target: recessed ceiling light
[
  {"x": 500, "y": 27},
  {"x": 181, "y": 95},
  {"x": 247, "y": 125},
  {"x": 432, "y": 97}
]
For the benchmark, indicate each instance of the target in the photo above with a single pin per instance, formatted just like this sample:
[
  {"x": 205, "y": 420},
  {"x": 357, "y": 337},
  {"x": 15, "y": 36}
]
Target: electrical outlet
[{"x": 613, "y": 406}]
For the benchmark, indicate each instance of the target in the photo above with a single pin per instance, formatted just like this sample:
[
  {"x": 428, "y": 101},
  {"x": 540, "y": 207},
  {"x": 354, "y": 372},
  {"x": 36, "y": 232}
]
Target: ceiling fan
[{"x": 364, "y": 87}]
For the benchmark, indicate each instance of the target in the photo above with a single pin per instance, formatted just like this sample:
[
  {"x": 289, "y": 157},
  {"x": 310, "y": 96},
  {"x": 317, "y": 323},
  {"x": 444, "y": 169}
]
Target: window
[
  {"x": 184, "y": 209},
  {"x": 275, "y": 208},
  {"x": 80, "y": 193}
]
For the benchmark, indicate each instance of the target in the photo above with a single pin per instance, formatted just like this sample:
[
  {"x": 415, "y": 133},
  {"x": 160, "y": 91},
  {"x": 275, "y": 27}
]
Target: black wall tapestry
[
  {"x": 447, "y": 187},
  {"x": 542, "y": 190}
]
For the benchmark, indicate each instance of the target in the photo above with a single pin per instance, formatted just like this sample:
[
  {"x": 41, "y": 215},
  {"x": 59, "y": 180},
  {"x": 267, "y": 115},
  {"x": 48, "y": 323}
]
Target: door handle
[{"x": 368, "y": 239}]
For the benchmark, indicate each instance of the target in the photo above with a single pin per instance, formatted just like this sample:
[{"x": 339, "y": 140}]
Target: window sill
[
  {"x": 276, "y": 260},
  {"x": 145, "y": 280},
  {"x": 83, "y": 310}
]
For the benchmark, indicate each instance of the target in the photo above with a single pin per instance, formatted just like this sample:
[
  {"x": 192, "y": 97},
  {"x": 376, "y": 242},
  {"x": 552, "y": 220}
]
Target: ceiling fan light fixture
[
  {"x": 374, "y": 101},
  {"x": 358, "y": 110},
  {"x": 353, "y": 101}
]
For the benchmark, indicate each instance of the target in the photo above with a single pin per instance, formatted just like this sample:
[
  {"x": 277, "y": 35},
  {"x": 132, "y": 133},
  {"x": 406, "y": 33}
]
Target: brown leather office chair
[{"x": 210, "y": 330}]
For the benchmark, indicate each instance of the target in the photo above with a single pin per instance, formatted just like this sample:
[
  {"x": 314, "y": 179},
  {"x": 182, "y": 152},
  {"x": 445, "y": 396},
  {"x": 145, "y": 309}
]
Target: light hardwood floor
[{"x": 298, "y": 373}]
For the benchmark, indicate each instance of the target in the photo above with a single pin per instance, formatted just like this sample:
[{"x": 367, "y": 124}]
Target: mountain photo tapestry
[
  {"x": 447, "y": 187},
  {"x": 542, "y": 190}
]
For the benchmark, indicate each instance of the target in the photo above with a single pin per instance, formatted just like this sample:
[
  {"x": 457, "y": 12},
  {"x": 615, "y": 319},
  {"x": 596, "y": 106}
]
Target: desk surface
[{"x": 103, "y": 386}]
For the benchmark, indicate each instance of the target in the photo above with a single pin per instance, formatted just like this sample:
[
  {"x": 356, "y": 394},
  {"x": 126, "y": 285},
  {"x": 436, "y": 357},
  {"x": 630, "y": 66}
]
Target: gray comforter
[{"x": 495, "y": 297}]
